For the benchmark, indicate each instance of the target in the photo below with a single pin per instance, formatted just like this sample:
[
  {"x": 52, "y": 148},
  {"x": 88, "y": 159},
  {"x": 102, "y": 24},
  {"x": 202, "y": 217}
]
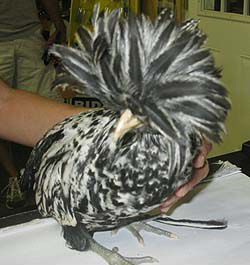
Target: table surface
[{"x": 40, "y": 242}]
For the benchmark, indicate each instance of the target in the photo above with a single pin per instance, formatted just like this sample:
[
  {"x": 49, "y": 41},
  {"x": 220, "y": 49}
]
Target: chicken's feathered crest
[{"x": 159, "y": 70}]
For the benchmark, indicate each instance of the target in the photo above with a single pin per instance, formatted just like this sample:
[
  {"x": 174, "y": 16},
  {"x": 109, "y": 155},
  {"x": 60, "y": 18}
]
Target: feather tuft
[{"x": 163, "y": 65}]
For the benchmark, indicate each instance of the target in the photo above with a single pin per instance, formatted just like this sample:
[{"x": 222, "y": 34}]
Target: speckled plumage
[
  {"x": 82, "y": 176},
  {"x": 163, "y": 75}
]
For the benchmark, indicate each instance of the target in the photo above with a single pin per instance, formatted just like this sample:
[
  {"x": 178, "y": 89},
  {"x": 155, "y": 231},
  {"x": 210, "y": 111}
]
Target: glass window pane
[
  {"x": 234, "y": 6},
  {"x": 213, "y": 5}
]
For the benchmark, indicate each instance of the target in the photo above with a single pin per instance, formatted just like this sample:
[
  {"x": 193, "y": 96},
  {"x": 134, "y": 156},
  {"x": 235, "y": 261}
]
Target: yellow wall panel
[{"x": 229, "y": 41}]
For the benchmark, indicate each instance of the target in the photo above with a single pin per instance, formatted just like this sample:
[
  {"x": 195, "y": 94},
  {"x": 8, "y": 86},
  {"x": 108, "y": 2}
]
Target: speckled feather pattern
[
  {"x": 81, "y": 176},
  {"x": 164, "y": 76}
]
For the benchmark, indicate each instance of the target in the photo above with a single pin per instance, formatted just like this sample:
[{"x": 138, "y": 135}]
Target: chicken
[{"x": 107, "y": 168}]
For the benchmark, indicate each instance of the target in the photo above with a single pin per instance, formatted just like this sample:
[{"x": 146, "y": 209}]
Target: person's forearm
[{"x": 25, "y": 117}]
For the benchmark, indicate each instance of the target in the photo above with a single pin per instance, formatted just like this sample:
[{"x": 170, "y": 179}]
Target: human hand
[{"x": 201, "y": 169}]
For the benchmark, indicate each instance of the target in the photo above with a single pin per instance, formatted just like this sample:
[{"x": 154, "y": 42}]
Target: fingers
[
  {"x": 198, "y": 175},
  {"x": 165, "y": 206},
  {"x": 201, "y": 169},
  {"x": 200, "y": 159}
]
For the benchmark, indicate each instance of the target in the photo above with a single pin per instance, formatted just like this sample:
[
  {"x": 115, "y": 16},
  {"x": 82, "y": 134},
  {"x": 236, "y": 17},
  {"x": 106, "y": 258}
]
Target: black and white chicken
[{"x": 107, "y": 168}]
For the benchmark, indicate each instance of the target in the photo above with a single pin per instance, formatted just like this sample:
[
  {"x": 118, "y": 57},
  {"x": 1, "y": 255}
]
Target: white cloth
[{"x": 40, "y": 242}]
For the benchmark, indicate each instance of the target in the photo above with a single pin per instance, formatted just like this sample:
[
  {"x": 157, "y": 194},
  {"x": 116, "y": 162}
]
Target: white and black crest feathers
[{"x": 160, "y": 71}]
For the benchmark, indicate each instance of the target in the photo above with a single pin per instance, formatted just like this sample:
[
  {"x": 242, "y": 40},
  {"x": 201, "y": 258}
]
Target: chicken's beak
[{"x": 126, "y": 122}]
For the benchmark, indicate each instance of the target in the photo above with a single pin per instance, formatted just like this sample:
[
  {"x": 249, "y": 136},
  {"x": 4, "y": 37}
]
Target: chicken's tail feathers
[{"x": 202, "y": 224}]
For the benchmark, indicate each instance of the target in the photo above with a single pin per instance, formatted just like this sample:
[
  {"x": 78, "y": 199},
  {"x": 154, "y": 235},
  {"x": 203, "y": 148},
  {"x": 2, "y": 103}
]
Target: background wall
[{"x": 229, "y": 40}]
